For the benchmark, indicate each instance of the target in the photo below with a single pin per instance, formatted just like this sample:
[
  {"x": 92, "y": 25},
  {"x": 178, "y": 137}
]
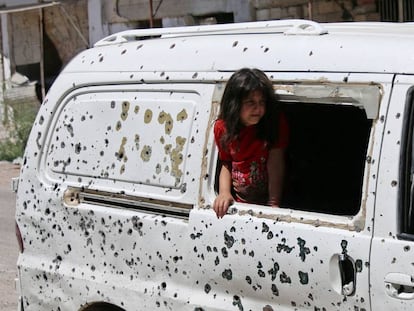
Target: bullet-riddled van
[{"x": 114, "y": 200}]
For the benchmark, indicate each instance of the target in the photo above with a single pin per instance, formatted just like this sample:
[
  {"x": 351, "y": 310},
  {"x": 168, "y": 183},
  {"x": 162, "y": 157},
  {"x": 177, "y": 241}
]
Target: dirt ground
[{"x": 8, "y": 243}]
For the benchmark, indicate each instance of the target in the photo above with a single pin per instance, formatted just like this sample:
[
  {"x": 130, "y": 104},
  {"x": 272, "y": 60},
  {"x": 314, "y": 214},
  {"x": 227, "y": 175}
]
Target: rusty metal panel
[{"x": 26, "y": 44}]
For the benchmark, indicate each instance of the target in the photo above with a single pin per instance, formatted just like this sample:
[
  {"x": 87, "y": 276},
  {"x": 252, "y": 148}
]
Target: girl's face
[{"x": 253, "y": 108}]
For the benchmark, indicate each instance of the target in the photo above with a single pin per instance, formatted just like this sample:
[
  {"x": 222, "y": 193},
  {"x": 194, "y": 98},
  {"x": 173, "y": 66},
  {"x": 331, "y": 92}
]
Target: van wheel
[{"x": 101, "y": 306}]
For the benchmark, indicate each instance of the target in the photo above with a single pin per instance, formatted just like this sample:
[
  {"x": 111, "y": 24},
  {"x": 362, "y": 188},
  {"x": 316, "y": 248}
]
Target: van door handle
[
  {"x": 347, "y": 273},
  {"x": 399, "y": 285}
]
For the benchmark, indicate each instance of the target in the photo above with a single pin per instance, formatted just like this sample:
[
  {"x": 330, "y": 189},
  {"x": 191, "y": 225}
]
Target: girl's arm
[
  {"x": 276, "y": 173},
  {"x": 224, "y": 199}
]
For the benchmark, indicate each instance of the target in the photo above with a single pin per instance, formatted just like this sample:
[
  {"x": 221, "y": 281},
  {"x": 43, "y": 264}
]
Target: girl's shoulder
[{"x": 219, "y": 126}]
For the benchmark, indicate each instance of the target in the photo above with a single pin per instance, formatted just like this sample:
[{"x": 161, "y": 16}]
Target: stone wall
[{"x": 317, "y": 10}]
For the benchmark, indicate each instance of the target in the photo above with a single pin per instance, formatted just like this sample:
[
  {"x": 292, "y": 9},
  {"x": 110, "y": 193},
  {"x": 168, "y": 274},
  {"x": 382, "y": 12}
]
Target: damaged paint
[{"x": 122, "y": 210}]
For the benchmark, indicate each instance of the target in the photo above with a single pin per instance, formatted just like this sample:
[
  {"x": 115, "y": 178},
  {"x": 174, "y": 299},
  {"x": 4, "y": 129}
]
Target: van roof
[{"x": 285, "y": 45}]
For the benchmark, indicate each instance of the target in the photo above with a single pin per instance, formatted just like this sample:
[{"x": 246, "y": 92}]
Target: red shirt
[{"x": 247, "y": 157}]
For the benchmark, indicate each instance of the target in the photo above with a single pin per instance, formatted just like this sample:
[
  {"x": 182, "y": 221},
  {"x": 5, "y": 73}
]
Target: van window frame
[{"x": 341, "y": 94}]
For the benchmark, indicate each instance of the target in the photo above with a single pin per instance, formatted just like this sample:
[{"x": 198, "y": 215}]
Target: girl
[{"x": 251, "y": 135}]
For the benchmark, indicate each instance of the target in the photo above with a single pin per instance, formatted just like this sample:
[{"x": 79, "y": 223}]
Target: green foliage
[{"x": 19, "y": 124}]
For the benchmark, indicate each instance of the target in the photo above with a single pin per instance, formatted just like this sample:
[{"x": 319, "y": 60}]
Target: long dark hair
[{"x": 238, "y": 87}]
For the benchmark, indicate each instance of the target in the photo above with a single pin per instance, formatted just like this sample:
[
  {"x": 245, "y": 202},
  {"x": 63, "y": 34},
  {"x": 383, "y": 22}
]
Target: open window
[
  {"x": 330, "y": 125},
  {"x": 329, "y": 133}
]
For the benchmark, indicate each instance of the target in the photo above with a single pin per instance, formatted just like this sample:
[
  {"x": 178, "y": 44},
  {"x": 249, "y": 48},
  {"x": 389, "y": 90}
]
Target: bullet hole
[
  {"x": 310, "y": 53},
  {"x": 275, "y": 290},
  {"x": 125, "y": 108},
  {"x": 227, "y": 274},
  {"x": 172, "y": 46},
  {"x": 182, "y": 115},
  {"x": 137, "y": 225},
  {"x": 382, "y": 119},
  {"x": 78, "y": 148},
  {"x": 118, "y": 125},
  {"x": 248, "y": 280},
  {"x": 146, "y": 153},
  {"x": 283, "y": 247},
  {"x": 164, "y": 118},
  {"x": 266, "y": 50},
  {"x": 261, "y": 273},
  {"x": 148, "y": 116},
  {"x": 358, "y": 265},
  {"x": 394, "y": 183},
  {"x": 270, "y": 235},
  {"x": 303, "y": 277},
  {"x": 121, "y": 152},
  {"x": 265, "y": 227},
  {"x": 217, "y": 261},
  {"x": 101, "y": 59},
  {"x": 207, "y": 288},
  {"x": 345, "y": 79},
  {"x": 267, "y": 308},
  {"x": 273, "y": 272},
  {"x": 123, "y": 52},
  {"x": 69, "y": 128},
  {"x": 139, "y": 46},
  {"x": 136, "y": 109},
  {"x": 244, "y": 49},
  {"x": 163, "y": 285},
  {"x": 195, "y": 75},
  {"x": 237, "y": 302},
  {"x": 303, "y": 251},
  {"x": 41, "y": 120},
  {"x": 407, "y": 248},
  {"x": 344, "y": 245},
  {"x": 284, "y": 278},
  {"x": 228, "y": 240},
  {"x": 224, "y": 252},
  {"x": 398, "y": 115},
  {"x": 235, "y": 43}
]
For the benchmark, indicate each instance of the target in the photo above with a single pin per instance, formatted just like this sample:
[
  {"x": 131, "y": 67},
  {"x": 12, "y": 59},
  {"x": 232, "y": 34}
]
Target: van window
[
  {"x": 325, "y": 157},
  {"x": 330, "y": 127},
  {"x": 109, "y": 133},
  {"x": 406, "y": 191}
]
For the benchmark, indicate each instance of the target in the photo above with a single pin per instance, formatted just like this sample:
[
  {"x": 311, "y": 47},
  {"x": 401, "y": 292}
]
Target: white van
[{"x": 119, "y": 175}]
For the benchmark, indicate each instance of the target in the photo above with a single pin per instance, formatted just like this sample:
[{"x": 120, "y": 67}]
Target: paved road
[{"x": 8, "y": 244}]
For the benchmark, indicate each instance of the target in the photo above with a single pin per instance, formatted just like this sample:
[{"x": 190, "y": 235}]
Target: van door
[
  {"x": 313, "y": 252},
  {"x": 392, "y": 259},
  {"x": 119, "y": 174}
]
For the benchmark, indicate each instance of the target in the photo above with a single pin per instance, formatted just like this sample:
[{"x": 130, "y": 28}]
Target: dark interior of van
[{"x": 326, "y": 157}]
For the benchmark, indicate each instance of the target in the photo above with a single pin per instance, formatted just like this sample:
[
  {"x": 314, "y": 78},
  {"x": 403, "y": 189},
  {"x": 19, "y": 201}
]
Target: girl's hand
[
  {"x": 222, "y": 203},
  {"x": 273, "y": 203}
]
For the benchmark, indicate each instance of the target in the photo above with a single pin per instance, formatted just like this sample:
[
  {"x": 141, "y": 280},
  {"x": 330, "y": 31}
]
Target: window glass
[
  {"x": 139, "y": 137},
  {"x": 406, "y": 196}
]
